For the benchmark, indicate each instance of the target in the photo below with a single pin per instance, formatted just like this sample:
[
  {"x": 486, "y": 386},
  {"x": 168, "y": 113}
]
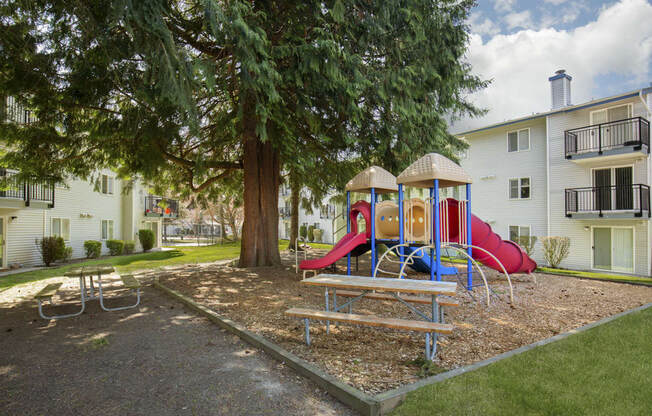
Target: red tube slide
[
  {"x": 348, "y": 242},
  {"x": 510, "y": 254}
]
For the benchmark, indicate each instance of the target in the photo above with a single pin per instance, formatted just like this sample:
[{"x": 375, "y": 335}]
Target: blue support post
[
  {"x": 348, "y": 229},
  {"x": 469, "y": 239},
  {"x": 373, "y": 230},
  {"x": 401, "y": 226},
  {"x": 432, "y": 237},
  {"x": 437, "y": 231}
]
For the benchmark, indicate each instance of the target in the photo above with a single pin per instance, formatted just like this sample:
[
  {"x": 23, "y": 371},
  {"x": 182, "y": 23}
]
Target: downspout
[
  {"x": 548, "y": 176},
  {"x": 649, "y": 250}
]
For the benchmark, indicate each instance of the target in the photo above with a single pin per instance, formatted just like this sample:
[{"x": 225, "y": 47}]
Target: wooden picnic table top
[
  {"x": 90, "y": 270},
  {"x": 382, "y": 284}
]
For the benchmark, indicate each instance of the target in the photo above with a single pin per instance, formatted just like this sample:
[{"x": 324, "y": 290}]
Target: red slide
[
  {"x": 510, "y": 254},
  {"x": 347, "y": 243}
]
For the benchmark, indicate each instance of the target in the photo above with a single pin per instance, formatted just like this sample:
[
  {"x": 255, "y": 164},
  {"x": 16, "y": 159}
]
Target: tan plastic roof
[
  {"x": 433, "y": 166},
  {"x": 373, "y": 177}
]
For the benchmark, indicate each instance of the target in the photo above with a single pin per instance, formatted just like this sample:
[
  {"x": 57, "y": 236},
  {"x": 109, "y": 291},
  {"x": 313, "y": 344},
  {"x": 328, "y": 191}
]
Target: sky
[{"x": 606, "y": 46}]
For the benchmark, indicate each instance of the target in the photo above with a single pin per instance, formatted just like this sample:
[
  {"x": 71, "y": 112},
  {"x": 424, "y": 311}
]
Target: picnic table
[
  {"x": 88, "y": 292},
  {"x": 359, "y": 287}
]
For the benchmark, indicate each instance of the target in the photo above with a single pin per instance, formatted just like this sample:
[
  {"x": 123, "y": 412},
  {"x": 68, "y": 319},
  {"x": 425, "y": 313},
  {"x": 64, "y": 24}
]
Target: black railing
[
  {"x": 285, "y": 212},
  {"x": 14, "y": 112},
  {"x": 157, "y": 206},
  {"x": 606, "y": 136},
  {"x": 617, "y": 198},
  {"x": 327, "y": 212},
  {"x": 11, "y": 187}
]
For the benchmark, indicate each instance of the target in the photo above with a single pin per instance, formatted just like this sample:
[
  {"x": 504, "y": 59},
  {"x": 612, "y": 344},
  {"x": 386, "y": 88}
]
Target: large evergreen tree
[{"x": 192, "y": 93}]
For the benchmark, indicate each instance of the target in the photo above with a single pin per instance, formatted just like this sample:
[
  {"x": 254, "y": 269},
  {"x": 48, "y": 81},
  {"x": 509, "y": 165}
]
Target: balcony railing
[
  {"x": 11, "y": 187},
  {"x": 608, "y": 136},
  {"x": 157, "y": 206},
  {"x": 285, "y": 212},
  {"x": 327, "y": 212},
  {"x": 597, "y": 200}
]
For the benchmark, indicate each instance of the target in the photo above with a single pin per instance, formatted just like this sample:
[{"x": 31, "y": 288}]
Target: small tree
[
  {"x": 52, "y": 249},
  {"x": 311, "y": 233},
  {"x": 303, "y": 232},
  {"x": 116, "y": 247},
  {"x": 527, "y": 243},
  {"x": 555, "y": 250},
  {"x": 93, "y": 248},
  {"x": 146, "y": 238},
  {"x": 318, "y": 234}
]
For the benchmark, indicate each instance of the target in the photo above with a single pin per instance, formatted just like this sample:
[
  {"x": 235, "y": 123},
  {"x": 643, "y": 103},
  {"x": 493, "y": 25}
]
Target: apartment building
[
  {"x": 103, "y": 208},
  {"x": 581, "y": 171},
  {"x": 328, "y": 217}
]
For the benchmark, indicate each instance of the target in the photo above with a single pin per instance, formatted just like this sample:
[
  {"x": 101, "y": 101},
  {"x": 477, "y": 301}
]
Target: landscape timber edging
[{"x": 382, "y": 403}]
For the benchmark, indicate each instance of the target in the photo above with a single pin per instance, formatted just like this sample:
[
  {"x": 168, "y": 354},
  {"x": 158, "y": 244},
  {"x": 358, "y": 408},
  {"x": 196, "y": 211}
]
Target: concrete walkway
[{"x": 159, "y": 359}]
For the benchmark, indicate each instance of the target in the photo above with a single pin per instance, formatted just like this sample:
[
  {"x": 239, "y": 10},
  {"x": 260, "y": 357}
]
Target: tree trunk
[
  {"x": 262, "y": 173},
  {"x": 295, "y": 189}
]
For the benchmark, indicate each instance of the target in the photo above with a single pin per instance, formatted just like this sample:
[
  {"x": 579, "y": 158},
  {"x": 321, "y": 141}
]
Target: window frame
[
  {"x": 518, "y": 146},
  {"x": 520, "y": 187},
  {"x": 509, "y": 231},
  {"x": 60, "y": 219},
  {"x": 109, "y": 235},
  {"x": 630, "y": 110},
  {"x": 110, "y": 185}
]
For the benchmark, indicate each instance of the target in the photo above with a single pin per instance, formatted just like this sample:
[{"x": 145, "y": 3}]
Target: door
[
  {"x": 597, "y": 133},
  {"x": 613, "y": 249},
  {"x": 624, "y": 192},
  {"x": 621, "y": 133},
  {"x": 602, "y": 184}
]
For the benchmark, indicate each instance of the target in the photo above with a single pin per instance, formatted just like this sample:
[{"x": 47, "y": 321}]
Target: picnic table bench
[
  {"x": 381, "y": 289},
  {"x": 88, "y": 292}
]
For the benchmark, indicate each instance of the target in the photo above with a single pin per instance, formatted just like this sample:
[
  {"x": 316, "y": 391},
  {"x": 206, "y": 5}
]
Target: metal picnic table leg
[
  {"x": 435, "y": 318},
  {"x": 99, "y": 285},
  {"x": 82, "y": 290},
  {"x": 328, "y": 323},
  {"x": 306, "y": 323}
]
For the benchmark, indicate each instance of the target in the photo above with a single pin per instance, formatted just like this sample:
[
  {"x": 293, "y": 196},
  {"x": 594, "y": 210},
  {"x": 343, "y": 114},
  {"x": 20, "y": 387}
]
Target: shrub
[
  {"x": 52, "y": 249},
  {"x": 67, "y": 253},
  {"x": 130, "y": 247},
  {"x": 115, "y": 247},
  {"x": 318, "y": 234},
  {"x": 527, "y": 243},
  {"x": 303, "y": 232},
  {"x": 311, "y": 233},
  {"x": 92, "y": 248},
  {"x": 146, "y": 238},
  {"x": 555, "y": 250}
]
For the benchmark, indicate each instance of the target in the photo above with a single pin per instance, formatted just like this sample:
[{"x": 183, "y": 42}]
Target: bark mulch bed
[{"x": 375, "y": 360}]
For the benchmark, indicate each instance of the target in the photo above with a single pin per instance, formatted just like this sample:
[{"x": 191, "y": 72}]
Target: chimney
[{"x": 560, "y": 91}]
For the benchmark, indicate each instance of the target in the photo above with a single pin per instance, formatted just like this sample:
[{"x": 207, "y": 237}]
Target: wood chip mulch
[{"x": 376, "y": 360}]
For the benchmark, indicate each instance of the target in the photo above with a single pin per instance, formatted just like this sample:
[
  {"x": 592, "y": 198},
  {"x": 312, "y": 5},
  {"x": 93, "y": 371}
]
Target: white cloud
[
  {"x": 483, "y": 27},
  {"x": 556, "y": 2},
  {"x": 618, "y": 42},
  {"x": 504, "y": 5},
  {"x": 522, "y": 19}
]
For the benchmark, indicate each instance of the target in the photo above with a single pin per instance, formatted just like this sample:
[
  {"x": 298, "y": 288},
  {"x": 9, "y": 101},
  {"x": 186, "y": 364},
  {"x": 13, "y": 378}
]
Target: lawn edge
[
  {"x": 600, "y": 279},
  {"x": 356, "y": 399},
  {"x": 389, "y": 400}
]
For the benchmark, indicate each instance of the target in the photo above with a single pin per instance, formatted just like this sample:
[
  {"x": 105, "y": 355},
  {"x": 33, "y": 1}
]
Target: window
[
  {"x": 519, "y": 188},
  {"x": 518, "y": 141},
  {"x": 518, "y": 231},
  {"x": 107, "y": 185},
  {"x": 107, "y": 229},
  {"x": 60, "y": 228}
]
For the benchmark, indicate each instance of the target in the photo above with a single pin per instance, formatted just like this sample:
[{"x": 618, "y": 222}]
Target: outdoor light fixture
[{"x": 587, "y": 228}]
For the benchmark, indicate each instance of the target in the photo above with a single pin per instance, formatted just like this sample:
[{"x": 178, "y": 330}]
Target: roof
[
  {"x": 433, "y": 166},
  {"x": 568, "y": 109},
  {"x": 375, "y": 177}
]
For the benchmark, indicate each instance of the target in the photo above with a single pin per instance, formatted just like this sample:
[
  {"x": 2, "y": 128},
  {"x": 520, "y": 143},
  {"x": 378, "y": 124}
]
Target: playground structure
[{"x": 427, "y": 226}]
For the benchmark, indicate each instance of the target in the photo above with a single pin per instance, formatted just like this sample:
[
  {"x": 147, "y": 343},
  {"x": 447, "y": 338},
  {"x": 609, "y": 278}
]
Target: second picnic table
[{"x": 366, "y": 287}]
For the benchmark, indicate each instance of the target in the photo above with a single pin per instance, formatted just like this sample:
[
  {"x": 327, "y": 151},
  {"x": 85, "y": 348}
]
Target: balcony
[
  {"x": 614, "y": 140},
  {"x": 157, "y": 206},
  {"x": 16, "y": 193},
  {"x": 618, "y": 201}
]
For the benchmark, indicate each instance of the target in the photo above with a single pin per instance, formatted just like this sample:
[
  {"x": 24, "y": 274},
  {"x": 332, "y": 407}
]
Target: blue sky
[{"x": 606, "y": 46}]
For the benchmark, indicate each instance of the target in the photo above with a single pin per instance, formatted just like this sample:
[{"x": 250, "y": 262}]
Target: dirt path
[{"x": 159, "y": 359}]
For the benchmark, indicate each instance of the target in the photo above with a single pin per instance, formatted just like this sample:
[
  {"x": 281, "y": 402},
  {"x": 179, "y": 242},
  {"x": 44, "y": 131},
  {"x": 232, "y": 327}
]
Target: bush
[
  {"x": 146, "y": 238},
  {"x": 303, "y": 232},
  {"x": 555, "y": 250},
  {"x": 52, "y": 249},
  {"x": 527, "y": 243},
  {"x": 311, "y": 233},
  {"x": 92, "y": 248},
  {"x": 318, "y": 234},
  {"x": 130, "y": 247},
  {"x": 67, "y": 253},
  {"x": 115, "y": 247}
]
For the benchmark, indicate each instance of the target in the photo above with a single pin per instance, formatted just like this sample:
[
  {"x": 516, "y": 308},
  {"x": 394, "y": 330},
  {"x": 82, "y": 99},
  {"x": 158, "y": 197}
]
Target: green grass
[
  {"x": 283, "y": 244},
  {"x": 604, "y": 371},
  {"x": 133, "y": 262},
  {"x": 598, "y": 276}
]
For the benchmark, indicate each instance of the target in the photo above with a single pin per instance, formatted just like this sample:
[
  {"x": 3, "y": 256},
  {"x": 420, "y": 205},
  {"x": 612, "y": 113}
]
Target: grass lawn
[
  {"x": 604, "y": 371},
  {"x": 598, "y": 276}
]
